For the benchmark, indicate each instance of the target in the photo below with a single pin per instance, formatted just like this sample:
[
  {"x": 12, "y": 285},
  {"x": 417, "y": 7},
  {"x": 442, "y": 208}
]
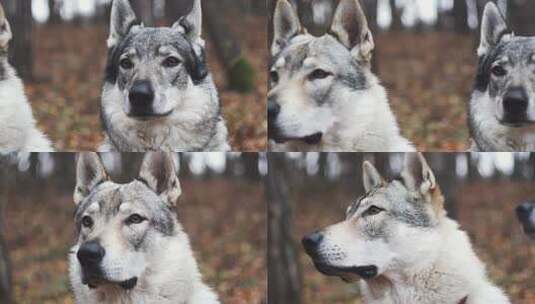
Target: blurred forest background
[
  {"x": 59, "y": 49},
  {"x": 309, "y": 191},
  {"x": 426, "y": 58},
  {"x": 222, "y": 208}
]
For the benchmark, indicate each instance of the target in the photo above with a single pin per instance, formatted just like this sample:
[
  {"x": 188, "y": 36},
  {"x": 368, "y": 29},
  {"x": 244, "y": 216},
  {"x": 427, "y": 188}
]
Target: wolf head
[
  {"x": 5, "y": 30},
  {"x": 506, "y": 70},
  {"x": 119, "y": 225},
  {"x": 374, "y": 238},
  {"x": 153, "y": 69},
  {"x": 526, "y": 215},
  {"x": 311, "y": 77}
]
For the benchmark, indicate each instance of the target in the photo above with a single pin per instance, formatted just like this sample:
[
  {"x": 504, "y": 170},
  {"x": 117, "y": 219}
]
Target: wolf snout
[
  {"x": 141, "y": 97},
  {"x": 274, "y": 109},
  {"x": 367, "y": 272},
  {"x": 91, "y": 254},
  {"x": 311, "y": 242},
  {"x": 515, "y": 105}
]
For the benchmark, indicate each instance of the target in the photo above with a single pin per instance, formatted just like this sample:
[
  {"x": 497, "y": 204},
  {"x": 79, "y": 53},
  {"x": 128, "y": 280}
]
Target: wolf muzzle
[
  {"x": 515, "y": 106},
  {"x": 311, "y": 244},
  {"x": 141, "y": 97}
]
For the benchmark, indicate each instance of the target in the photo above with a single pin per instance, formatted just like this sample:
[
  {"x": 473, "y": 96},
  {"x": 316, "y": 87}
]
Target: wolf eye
[
  {"x": 498, "y": 71},
  {"x": 171, "y": 62},
  {"x": 319, "y": 74},
  {"x": 373, "y": 210},
  {"x": 135, "y": 219},
  {"x": 87, "y": 221},
  {"x": 126, "y": 64},
  {"x": 274, "y": 76}
]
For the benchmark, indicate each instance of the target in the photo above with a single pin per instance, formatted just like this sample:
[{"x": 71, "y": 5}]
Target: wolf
[
  {"x": 323, "y": 95},
  {"x": 526, "y": 215},
  {"x": 398, "y": 239},
  {"x": 501, "y": 110},
  {"x": 131, "y": 247},
  {"x": 158, "y": 93},
  {"x": 18, "y": 131}
]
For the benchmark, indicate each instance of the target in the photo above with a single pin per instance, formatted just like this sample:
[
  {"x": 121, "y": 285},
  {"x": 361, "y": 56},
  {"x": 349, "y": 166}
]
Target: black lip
[
  {"x": 94, "y": 282},
  {"x": 129, "y": 284},
  {"x": 516, "y": 123},
  {"x": 365, "y": 272},
  {"x": 148, "y": 116},
  {"x": 313, "y": 139}
]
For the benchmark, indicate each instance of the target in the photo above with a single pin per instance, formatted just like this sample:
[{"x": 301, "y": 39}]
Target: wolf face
[
  {"x": 526, "y": 214},
  {"x": 121, "y": 227},
  {"x": 313, "y": 78},
  {"x": 153, "y": 68},
  {"x": 372, "y": 240}
]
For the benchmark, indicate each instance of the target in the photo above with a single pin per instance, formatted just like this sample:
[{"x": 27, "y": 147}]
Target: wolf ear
[
  {"x": 122, "y": 19},
  {"x": 286, "y": 25},
  {"x": 89, "y": 173},
  {"x": 158, "y": 172},
  {"x": 191, "y": 24},
  {"x": 417, "y": 174},
  {"x": 493, "y": 28},
  {"x": 371, "y": 177},
  {"x": 5, "y": 29},
  {"x": 350, "y": 26}
]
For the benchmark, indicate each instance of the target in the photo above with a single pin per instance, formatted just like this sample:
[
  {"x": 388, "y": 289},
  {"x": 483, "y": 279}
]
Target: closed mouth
[
  {"x": 313, "y": 139},
  {"x": 149, "y": 116},
  {"x": 94, "y": 283},
  {"x": 348, "y": 274}
]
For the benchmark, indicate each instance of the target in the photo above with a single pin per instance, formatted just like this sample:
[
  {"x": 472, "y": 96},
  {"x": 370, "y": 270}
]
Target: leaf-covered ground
[
  {"x": 429, "y": 77},
  {"x": 486, "y": 212},
  {"x": 69, "y": 65},
  {"x": 226, "y": 226}
]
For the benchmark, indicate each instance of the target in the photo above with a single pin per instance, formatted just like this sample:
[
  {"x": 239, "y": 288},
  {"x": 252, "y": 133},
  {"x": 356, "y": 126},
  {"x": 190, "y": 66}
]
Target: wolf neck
[
  {"x": 452, "y": 275},
  {"x": 366, "y": 124}
]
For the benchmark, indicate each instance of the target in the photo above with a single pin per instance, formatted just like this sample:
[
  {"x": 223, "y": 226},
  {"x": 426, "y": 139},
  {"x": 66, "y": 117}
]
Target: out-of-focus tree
[
  {"x": 19, "y": 13},
  {"x": 6, "y": 295}
]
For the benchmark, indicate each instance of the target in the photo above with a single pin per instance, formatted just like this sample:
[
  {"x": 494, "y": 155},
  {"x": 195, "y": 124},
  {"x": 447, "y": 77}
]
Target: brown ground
[
  {"x": 485, "y": 212},
  {"x": 226, "y": 226},
  {"x": 68, "y": 76}
]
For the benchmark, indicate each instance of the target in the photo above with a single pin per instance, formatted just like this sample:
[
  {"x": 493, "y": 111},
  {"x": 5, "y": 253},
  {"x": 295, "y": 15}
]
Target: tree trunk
[
  {"x": 396, "y": 17},
  {"x": 284, "y": 280},
  {"x": 460, "y": 11},
  {"x": 145, "y": 11},
  {"x": 240, "y": 73},
  {"x": 175, "y": 9},
  {"x": 55, "y": 16},
  {"x": 6, "y": 295},
  {"x": 20, "y": 16}
]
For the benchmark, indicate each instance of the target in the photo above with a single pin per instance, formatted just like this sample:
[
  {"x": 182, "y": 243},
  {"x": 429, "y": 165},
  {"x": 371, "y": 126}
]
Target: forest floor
[
  {"x": 486, "y": 212},
  {"x": 229, "y": 242},
  {"x": 69, "y": 68},
  {"x": 428, "y": 77}
]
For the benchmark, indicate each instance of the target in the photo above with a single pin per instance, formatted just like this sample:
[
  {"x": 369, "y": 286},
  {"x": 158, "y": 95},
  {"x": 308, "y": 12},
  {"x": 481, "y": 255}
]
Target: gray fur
[
  {"x": 491, "y": 127},
  {"x": 155, "y": 251},
  {"x": 185, "y": 114}
]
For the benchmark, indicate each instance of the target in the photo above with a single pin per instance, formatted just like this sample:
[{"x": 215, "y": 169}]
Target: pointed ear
[
  {"x": 493, "y": 29},
  {"x": 286, "y": 25},
  {"x": 90, "y": 172},
  {"x": 5, "y": 29},
  {"x": 122, "y": 19},
  {"x": 417, "y": 174},
  {"x": 350, "y": 26},
  {"x": 191, "y": 24},
  {"x": 158, "y": 171},
  {"x": 371, "y": 177}
]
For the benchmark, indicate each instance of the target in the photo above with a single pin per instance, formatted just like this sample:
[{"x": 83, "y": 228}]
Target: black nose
[
  {"x": 273, "y": 109},
  {"x": 524, "y": 210},
  {"x": 91, "y": 254},
  {"x": 141, "y": 96},
  {"x": 515, "y": 103},
  {"x": 312, "y": 241}
]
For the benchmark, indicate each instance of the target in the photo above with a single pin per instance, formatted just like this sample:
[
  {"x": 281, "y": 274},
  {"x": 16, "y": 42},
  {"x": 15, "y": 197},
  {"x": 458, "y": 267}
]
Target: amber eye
[
  {"x": 319, "y": 74},
  {"x": 135, "y": 219},
  {"x": 126, "y": 64},
  {"x": 498, "y": 71},
  {"x": 373, "y": 210},
  {"x": 87, "y": 221},
  {"x": 274, "y": 76},
  {"x": 171, "y": 62}
]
